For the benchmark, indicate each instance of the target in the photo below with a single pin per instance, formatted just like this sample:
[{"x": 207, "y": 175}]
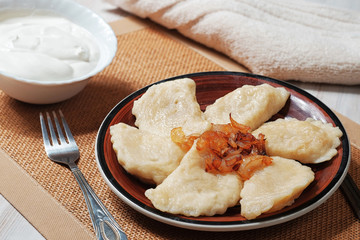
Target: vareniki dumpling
[
  {"x": 147, "y": 156},
  {"x": 274, "y": 187},
  {"x": 248, "y": 105},
  {"x": 169, "y": 105},
  {"x": 191, "y": 191},
  {"x": 307, "y": 141}
]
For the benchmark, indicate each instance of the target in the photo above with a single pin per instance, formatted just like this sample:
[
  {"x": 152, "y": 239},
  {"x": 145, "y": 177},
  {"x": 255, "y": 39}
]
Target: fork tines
[{"x": 59, "y": 138}]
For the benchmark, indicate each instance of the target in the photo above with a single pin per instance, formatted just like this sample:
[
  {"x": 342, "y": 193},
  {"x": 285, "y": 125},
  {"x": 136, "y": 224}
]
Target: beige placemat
[{"x": 47, "y": 194}]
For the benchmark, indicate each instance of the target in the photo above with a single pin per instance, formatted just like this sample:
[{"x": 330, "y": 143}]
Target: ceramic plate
[{"x": 210, "y": 86}]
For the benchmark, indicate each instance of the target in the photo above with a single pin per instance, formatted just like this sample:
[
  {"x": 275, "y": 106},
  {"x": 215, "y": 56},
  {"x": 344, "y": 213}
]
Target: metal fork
[{"x": 64, "y": 150}]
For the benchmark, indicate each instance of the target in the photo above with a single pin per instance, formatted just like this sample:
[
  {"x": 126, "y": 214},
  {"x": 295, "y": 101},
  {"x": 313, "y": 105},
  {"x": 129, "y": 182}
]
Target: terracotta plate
[{"x": 210, "y": 86}]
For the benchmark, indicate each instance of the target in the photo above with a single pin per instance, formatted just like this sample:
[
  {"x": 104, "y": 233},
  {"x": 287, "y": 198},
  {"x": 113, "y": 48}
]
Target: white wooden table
[{"x": 343, "y": 99}]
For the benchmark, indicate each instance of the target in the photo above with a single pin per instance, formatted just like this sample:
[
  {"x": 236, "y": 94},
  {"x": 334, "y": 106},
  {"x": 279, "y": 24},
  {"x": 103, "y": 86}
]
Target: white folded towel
[{"x": 285, "y": 40}]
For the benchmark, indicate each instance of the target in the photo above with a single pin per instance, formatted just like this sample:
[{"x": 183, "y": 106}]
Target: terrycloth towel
[{"x": 276, "y": 38}]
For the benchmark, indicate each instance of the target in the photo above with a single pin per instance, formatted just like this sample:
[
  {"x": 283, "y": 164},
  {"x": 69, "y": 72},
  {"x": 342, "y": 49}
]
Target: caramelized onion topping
[
  {"x": 227, "y": 148},
  {"x": 183, "y": 141}
]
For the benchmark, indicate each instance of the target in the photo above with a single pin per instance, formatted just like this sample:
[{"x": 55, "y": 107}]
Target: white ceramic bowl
[{"x": 46, "y": 92}]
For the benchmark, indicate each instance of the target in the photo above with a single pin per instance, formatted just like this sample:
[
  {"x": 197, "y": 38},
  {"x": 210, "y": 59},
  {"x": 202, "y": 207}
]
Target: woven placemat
[{"x": 143, "y": 57}]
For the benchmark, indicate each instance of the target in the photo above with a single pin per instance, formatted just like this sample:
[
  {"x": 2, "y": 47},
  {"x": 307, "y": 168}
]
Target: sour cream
[{"x": 40, "y": 45}]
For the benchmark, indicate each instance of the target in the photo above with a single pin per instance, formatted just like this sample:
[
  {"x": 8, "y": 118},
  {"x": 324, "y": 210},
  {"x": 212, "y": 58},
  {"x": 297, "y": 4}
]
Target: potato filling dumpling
[
  {"x": 191, "y": 191},
  {"x": 248, "y": 105},
  {"x": 307, "y": 141},
  {"x": 274, "y": 187},
  {"x": 147, "y": 156},
  {"x": 169, "y": 105}
]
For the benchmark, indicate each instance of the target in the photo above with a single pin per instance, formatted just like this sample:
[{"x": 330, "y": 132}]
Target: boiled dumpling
[
  {"x": 274, "y": 187},
  {"x": 191, "y": 191},
  {"x": 147, "y": 156},
  {"x": 307, "y": 141},
  {"x": 248, "y": 105},
  {"x": 170, "y": 105}
]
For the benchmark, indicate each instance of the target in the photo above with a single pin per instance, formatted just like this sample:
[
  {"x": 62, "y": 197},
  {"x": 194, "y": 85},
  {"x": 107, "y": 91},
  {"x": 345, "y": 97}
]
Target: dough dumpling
[
  {"x": 191, "y": 191},
  {"x": 307, "y": 141},
  {"x": 248, "y": 105},
  {"x": 149, "y": 157},
  {"x": 274, "y": 187},
  {"x": 169, "y": 105}
]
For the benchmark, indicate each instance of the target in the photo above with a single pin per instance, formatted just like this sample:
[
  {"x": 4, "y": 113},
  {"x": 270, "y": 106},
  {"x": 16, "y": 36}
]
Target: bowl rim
[
  {"x": 53, "y": 5},
  {"x": 174, "y": 220}
]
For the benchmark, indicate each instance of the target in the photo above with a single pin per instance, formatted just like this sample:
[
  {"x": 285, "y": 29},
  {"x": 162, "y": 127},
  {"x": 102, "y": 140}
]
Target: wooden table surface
[{"x": 342, "y": 99}]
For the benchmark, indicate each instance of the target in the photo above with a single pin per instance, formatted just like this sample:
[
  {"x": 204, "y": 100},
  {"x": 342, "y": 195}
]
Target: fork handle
[{"x": 104, "y": 223}]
